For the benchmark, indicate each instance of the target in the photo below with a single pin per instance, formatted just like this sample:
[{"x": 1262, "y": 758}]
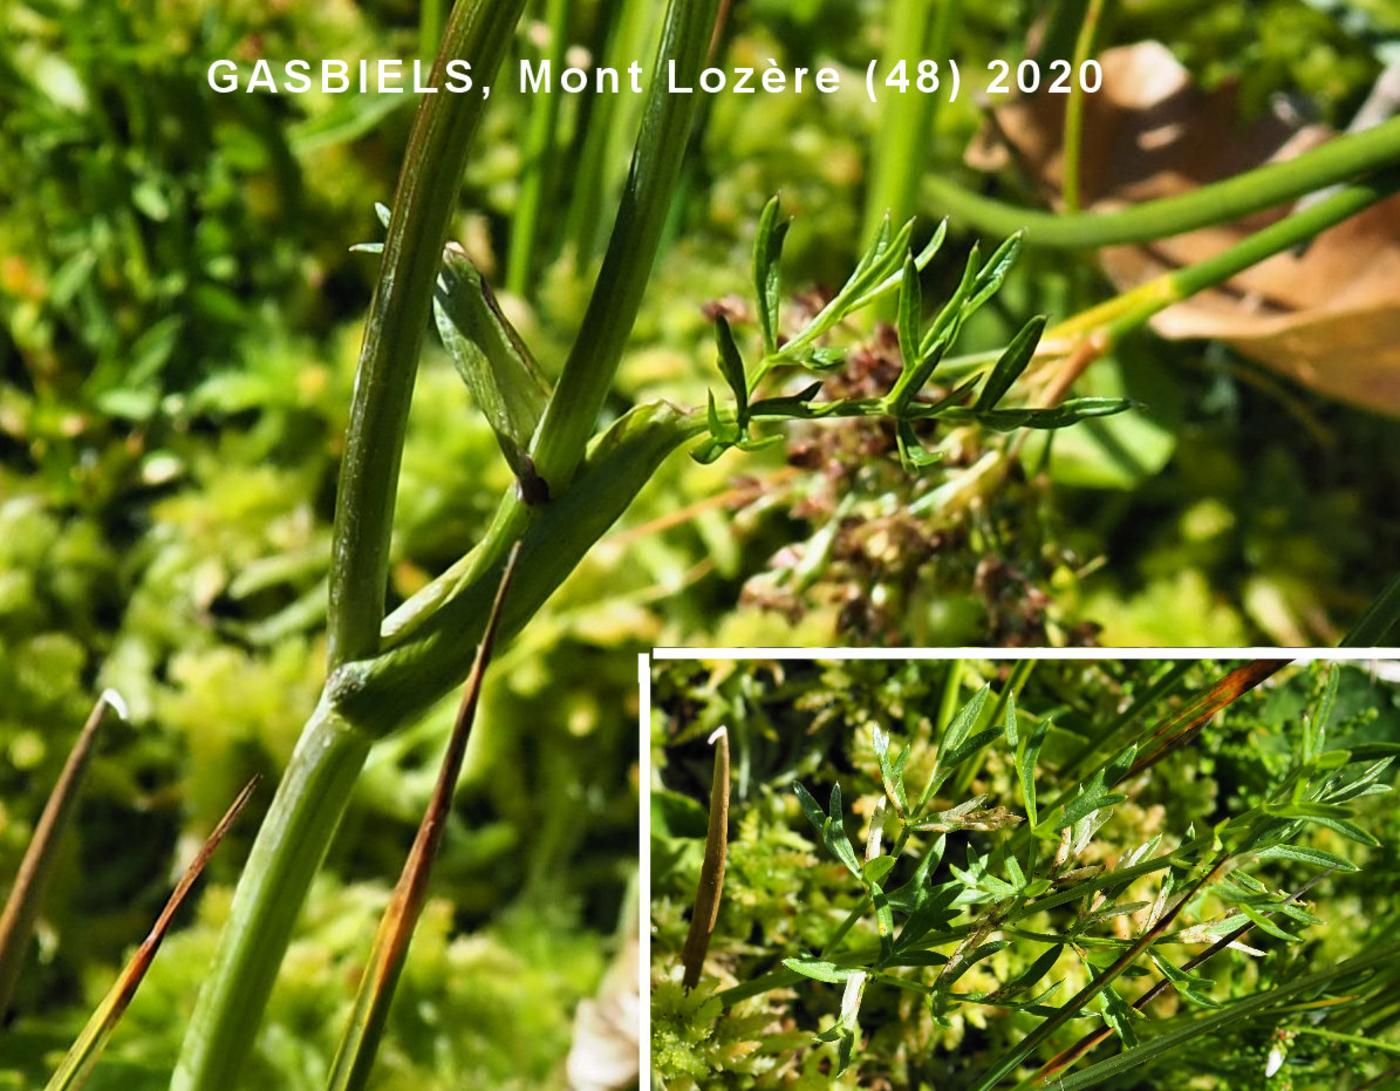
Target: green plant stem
[
  {"x": 1339, "y": 160},
  {"x": 914, "y": 30},
  {"x": 537, "y": 167},
  {"x": 611, "y": 124},
  {"x": 430, "y": 27},
  {"x": 289, "y": 848},
  {"x": 478, "y": 31},
  {"x": 1181, "y": 284},
  {"x": 1074, "y": 108},
  {"x": 949, "y": 699},
  {"x": 354, "y": 1060},
  {"x": 1349, "y": 1039},
  {"x": 572, "y": 413},
  {"x": 319, "y": 780}
]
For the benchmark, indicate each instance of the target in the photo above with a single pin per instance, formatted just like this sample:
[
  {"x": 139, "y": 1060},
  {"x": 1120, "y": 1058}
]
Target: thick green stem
[
  {"x": 1338, "y": 160},
  {"x": 321, "y": 776},
  {"x": 423, "y": 661},
  {"x": 587, "y": 377},
  {"x": 289, "y": 849},
  {"x": 479, "y": 32}
]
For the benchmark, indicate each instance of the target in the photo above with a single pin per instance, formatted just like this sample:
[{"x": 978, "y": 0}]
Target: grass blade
[
  {"x": 35, "y": 870},
  {"x": 355, "y": 1057},
  {"x": 1379, "y": 620},
  {"x": 1014, "y": 1057},
  {"x": 1179, "y": 731},
  {"x": 711, "y": 886},
  {"x": 87, "y": 1049},
  {"x": 1067, "y": 1057},
  {"x": 1179, "y": 1031}
]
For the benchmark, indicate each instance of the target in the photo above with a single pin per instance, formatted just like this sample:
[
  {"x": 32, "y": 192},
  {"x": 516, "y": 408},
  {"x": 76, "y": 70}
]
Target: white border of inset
[
  {"x": 1312, "y": 655},
  {"x": 644, "y": 664}
]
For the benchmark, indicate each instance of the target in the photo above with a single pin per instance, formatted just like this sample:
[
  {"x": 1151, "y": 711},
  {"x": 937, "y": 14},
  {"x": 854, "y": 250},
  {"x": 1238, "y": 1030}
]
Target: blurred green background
[{"x": 179, "y": 318}]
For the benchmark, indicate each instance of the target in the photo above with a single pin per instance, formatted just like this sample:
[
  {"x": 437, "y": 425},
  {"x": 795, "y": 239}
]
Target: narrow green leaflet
[
  {"x": 910, "y": 314},
  {"x": 1011, "y": 364},
  {"x": 491, "y": 357},
  {"x": 1301, "y": 855},
  {"x": 834, "y": 834},
  {"x": 951, "y": 747},
  {"x": 1027, "y": 750},
  {"x": 1118, "y": 1015},
  {"x": 1033, "y": 974},
  {"x": 875, "y": 870},
  {"x": 892, "y": 772},
  {"x": 731, "y": 366},
  {"x": 767, "y": 273},
  {"x": 811, "y": 808},
  {"x": 818, "y": 969}
]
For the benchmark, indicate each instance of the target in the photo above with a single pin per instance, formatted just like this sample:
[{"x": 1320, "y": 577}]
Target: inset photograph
[{"x": 1061, "y": 873}]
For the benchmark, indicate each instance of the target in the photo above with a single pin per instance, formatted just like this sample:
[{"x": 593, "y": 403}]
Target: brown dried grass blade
[
  {"x": 707, "y": 894},
  {"x": 87, "y": 1049},
  {"x": 35, "y": 870},
  {"x": 1090, "y": 1041},
  {"x": 354, "y": 1059},
  {"x": 1181, "y": 729}
]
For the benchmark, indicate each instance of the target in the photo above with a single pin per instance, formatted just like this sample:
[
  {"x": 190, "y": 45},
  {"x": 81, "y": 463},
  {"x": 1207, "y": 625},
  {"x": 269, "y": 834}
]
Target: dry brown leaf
[{"x": 1328, "y": 318}]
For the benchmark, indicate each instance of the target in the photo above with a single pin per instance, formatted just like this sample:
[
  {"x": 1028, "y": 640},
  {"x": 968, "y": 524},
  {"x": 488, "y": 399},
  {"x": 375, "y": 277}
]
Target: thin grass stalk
[
  {"x": 1182, "y": 731},
  {"x": 1173, "y": 1037},
  {"x": 1074, "y": 108},
  {"x": 1014, "y": 1057},
  {"x": 77, "y": 1065},
  {"x": 949, "y": 699},
  {"x": 36, "y": 868},
  {"x": 711, "y": 886},
  {"x": 611, "y": 127},
  {"x": 1339, "y": 160},
  {"x": 1378, "y": 623},
  {"x": 430, "y": 27},
  {"x": 1092, "y": 1040},
  {"x": 914, "y": 30},
  {"x": 354, "y": 1060},
  {"x": 1158, "y": 690},
  {"x": 538, "y": 162}
]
